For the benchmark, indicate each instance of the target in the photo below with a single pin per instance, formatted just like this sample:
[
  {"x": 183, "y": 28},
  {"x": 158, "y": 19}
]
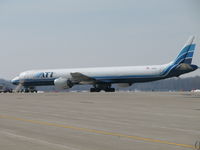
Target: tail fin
[{"x": 186, "y": 54}]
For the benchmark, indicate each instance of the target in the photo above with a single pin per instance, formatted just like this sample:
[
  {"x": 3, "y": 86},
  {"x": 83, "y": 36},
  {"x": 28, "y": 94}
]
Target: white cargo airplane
[{"x": 103, "y": 78}]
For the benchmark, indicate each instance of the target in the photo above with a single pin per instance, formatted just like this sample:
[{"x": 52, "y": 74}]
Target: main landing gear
[
  {"x": 28, "y": 90},
  {"x": 105, "y": 87}
]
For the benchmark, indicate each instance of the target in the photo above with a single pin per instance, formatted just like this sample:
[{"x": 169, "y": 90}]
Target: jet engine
[{"x": 63, "y": 83}]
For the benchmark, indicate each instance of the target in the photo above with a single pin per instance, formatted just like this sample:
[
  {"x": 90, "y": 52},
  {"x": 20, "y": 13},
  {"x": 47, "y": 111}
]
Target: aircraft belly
[{"x": 131, "y": 80}]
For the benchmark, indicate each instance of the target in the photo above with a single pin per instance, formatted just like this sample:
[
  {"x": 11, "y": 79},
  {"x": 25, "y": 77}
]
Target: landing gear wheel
[
  {"x": 33, "y": 91},
  {"x": 110, "y": 90},
  {"x": 26, "y": 91},
  {"x": 105, "y": 87},
  {"x": 95, "y": 90}
]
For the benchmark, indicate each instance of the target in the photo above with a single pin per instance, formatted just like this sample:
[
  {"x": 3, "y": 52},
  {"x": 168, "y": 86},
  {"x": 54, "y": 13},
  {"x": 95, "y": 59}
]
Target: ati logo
[{"x": 44, "y": 75}]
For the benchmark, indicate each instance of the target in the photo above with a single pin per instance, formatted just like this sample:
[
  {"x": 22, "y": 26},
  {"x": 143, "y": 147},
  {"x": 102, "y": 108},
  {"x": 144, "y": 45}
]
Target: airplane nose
[{"x": 15, "y": 81}]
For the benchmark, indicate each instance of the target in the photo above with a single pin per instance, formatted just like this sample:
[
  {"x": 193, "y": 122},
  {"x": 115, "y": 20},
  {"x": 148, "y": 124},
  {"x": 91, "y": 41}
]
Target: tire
[
  {"x": 26, "y": 91},
  {"x": 92, "y": 90},
  {"x": 110, "y": 90},
  {"x": 95, "y": 90}
]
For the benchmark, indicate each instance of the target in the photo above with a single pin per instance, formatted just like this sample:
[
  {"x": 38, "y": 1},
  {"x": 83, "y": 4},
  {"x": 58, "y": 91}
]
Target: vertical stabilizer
[{"x": 186, "y": 54}]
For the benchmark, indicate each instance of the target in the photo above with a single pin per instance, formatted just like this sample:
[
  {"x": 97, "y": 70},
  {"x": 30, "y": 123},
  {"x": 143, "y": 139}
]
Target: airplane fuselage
[
  {"x": 128, "y": 74},
  {"x": 103, "y": 77}
]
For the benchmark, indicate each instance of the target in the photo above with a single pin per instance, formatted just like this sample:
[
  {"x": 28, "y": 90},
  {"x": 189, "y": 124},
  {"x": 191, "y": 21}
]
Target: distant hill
[{"x": 173, "y": 84}]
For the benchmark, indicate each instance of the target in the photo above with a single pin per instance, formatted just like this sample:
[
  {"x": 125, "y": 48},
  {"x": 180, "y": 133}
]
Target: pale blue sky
[{"x": 41, "y": 34}]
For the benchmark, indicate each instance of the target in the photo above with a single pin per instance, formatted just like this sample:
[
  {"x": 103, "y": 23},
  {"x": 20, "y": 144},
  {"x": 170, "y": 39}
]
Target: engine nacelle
[{"x": 63, "y": 83}]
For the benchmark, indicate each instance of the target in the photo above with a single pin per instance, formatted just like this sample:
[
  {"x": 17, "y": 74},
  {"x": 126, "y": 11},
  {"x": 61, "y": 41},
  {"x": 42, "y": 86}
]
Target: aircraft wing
[{"x": 81, "y": 78}]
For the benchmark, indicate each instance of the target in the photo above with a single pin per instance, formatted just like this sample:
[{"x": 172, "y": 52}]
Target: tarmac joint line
[{"x": 97, "y": 131}]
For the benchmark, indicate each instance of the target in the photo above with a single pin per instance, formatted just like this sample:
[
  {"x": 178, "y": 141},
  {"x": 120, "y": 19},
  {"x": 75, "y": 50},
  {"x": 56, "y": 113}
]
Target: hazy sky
[{"x": 45, "y": 34}]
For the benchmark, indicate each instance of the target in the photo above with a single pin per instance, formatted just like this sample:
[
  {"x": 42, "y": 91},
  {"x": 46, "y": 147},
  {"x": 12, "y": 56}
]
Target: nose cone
[{"x": 15, "y": 81}]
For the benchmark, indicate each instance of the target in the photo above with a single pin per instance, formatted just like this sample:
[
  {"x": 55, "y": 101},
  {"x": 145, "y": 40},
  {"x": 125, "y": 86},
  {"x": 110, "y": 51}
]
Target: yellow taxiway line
[{"x": 97, "y": 131}]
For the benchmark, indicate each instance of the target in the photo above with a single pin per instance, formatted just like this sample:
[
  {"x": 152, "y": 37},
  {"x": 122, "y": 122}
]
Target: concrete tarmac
[{"x": 99, "y": 121}]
